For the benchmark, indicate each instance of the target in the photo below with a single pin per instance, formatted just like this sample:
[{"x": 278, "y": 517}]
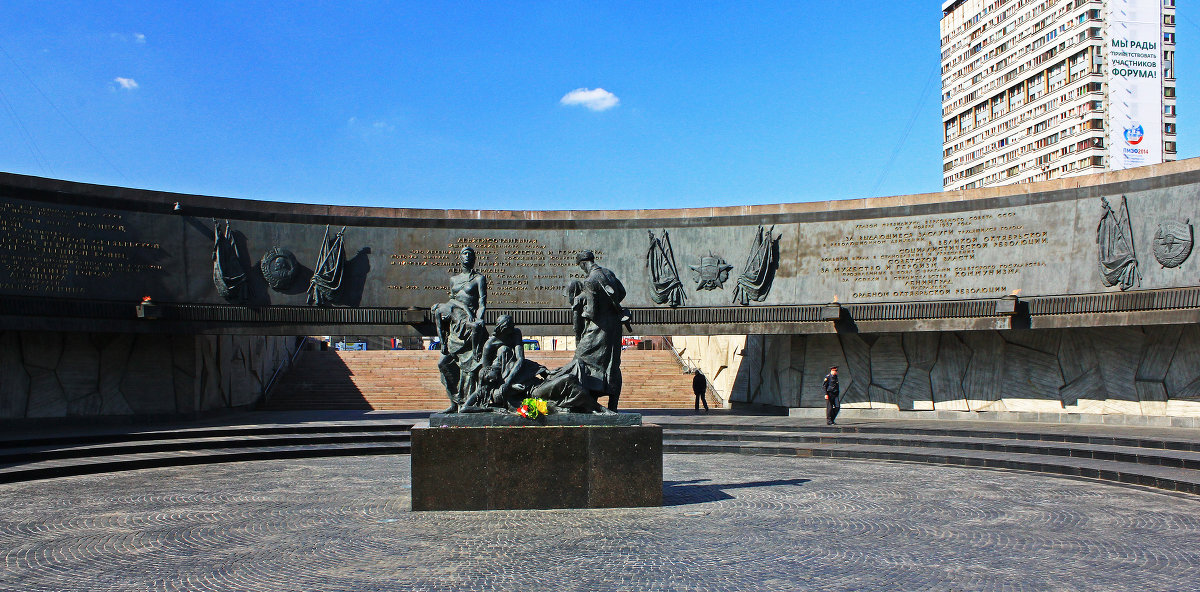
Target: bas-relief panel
[
  {"x": 1160, "y": 234},
  {"x": 1148, "y": 370},
  {"x": 1038, "y": 249}
]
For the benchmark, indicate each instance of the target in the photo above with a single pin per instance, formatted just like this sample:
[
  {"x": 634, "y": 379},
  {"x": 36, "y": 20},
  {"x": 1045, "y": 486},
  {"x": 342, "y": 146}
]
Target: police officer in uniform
[{"x": 832, "y": 391}]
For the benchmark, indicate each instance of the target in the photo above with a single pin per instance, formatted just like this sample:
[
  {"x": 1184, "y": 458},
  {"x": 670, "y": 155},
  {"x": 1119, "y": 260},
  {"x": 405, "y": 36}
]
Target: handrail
[
  {"x": 266, "y": 390},
  {"x": 692, "y": 369}
]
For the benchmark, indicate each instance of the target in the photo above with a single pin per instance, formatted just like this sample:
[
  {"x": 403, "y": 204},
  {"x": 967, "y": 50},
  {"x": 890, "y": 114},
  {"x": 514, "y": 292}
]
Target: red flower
[{"x": 523, "y": 411}]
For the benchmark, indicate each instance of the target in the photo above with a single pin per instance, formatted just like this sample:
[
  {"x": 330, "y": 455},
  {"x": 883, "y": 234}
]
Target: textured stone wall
[
  {"x": 1147, "y": 370},
  {"x": 719, "y": 357},
  {"x": 52, "y": 374}
]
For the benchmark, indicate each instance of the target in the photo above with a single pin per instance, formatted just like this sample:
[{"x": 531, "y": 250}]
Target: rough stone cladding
[
  {"x": 59, "y": 374},
  {"x": 1140, "y": 370}
]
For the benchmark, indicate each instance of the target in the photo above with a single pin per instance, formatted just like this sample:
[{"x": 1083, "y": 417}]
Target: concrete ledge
[
  {"x": 494, "y": 468},
  {"x": 1153, "y": 421}
]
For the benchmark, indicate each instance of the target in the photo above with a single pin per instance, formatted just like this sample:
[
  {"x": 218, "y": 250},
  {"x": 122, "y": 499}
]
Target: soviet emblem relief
[
  {"x": 1173, "y": 242},
  {"x": 279, "y": 268},
  {"x": 711, "y": 273}
]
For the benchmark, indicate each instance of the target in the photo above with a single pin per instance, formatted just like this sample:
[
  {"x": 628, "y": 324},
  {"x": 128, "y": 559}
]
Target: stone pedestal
[{"x": 536, "y": 467}]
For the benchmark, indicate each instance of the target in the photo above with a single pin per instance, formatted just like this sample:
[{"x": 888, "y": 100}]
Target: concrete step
[
  {"x": 65, "y": 454},
  {"x": 1161, "y": 477},
  {"x": 1128, "y": 454},
  {"x": 77, "y": 437},
  {"x": 1068, "y": 434},
  {"x": 10, "y": 457},
  {"x": 1167, "y": 460},
  {"x": 48, "y": 469}
]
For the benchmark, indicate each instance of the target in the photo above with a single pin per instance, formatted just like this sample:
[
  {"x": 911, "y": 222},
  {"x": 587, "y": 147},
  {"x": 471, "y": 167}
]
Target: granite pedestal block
[{"x": 536, "y": 467}]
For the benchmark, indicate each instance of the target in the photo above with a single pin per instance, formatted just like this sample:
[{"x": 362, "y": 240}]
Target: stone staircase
[
  {"x": 409, "y": 380},
  {"x": 88, "y": 451},
  {"x": 1162, "y": 458}
]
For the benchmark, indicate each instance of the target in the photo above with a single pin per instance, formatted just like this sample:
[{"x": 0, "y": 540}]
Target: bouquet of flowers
[{"x": 532, "y": 408}]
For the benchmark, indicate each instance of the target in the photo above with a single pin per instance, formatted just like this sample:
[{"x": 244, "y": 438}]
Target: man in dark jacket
[
  {"x": 700, "y": 388},
  {"x": 832, "y": 390}
]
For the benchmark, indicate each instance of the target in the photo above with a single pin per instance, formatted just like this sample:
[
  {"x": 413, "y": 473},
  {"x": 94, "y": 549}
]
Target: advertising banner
[{"x": 1135, "y": 104}]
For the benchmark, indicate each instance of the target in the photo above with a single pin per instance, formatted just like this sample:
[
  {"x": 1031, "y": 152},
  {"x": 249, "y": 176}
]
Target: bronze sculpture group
[{"x": 489, "y": 373}]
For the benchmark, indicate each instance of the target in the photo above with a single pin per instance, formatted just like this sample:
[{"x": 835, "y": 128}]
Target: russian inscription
[
  {"x": 938, "y": 257},
  {"x": 56, "y": 251},
  {"x": 528, "y": 271}
]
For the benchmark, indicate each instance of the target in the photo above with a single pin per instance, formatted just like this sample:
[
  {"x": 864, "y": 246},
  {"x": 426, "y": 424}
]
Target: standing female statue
[{"x": 462, "y": 331}]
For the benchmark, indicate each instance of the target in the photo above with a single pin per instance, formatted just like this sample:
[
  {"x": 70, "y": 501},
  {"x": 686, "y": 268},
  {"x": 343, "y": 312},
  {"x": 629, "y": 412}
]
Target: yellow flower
[{"x": 541, "y": 406}]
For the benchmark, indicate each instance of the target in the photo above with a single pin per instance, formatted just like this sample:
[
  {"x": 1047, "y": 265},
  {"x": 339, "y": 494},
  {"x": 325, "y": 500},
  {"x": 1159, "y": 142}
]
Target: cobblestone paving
[{"x": 730, "y": 523}]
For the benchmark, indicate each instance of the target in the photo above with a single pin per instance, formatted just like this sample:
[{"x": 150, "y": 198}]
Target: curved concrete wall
[
  {"x": 921, "y": 322},
  {"x": 73, "y": 241}
]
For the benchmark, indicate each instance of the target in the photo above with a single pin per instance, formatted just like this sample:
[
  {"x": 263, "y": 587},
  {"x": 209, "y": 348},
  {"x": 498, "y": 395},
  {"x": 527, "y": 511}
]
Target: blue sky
[{"x": 459, "y": 104}]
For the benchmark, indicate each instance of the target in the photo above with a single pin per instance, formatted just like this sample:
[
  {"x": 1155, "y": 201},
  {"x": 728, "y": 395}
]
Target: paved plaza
[{"x": 730, "y": 522}]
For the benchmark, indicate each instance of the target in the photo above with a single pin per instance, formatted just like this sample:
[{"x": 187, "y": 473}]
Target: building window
[
  {"x": 1169, "y": 146},
  {"x": 1168, "y": 128},
  {"x": 1169, "y": 91},
  {"x": 1168, "y": 38},
  {"x": 1168, "y": 109},
  {"x": 1168, "y": 19}
]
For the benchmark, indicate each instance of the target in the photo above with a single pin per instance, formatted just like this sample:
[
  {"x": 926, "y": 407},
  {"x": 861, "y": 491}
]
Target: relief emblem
[
  {"x": 711, "y": 273},
  {"x": 1173, "y": 242},
  {"x": 279, "y": 268}
]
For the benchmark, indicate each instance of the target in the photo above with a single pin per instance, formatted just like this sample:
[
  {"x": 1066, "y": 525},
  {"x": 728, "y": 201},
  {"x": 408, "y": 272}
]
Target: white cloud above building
[{"x": 596, "y": 99}]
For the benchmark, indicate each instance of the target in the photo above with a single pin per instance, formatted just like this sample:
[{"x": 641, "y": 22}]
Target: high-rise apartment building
[{"x": 1042, "y": 89}]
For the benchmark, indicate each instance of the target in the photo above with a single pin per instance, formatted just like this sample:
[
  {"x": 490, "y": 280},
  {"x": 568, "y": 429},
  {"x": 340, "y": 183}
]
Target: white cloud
[
  {"x": 596, "y": 99},
  {"x": 370, "y": 128},
  {"x": 138, "y": 38},
  {"x": 126, "y": 83}
]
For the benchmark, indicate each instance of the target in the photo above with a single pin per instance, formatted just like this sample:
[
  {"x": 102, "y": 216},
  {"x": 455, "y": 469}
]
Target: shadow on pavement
[{"x": 699, "y": 491}]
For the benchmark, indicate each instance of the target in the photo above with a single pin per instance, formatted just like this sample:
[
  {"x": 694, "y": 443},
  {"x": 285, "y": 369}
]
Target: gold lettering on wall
[
  {"x": 933, "y": 257},
  {"x": 520, "y": 271},
  {"x": 57, "y": 251}
]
